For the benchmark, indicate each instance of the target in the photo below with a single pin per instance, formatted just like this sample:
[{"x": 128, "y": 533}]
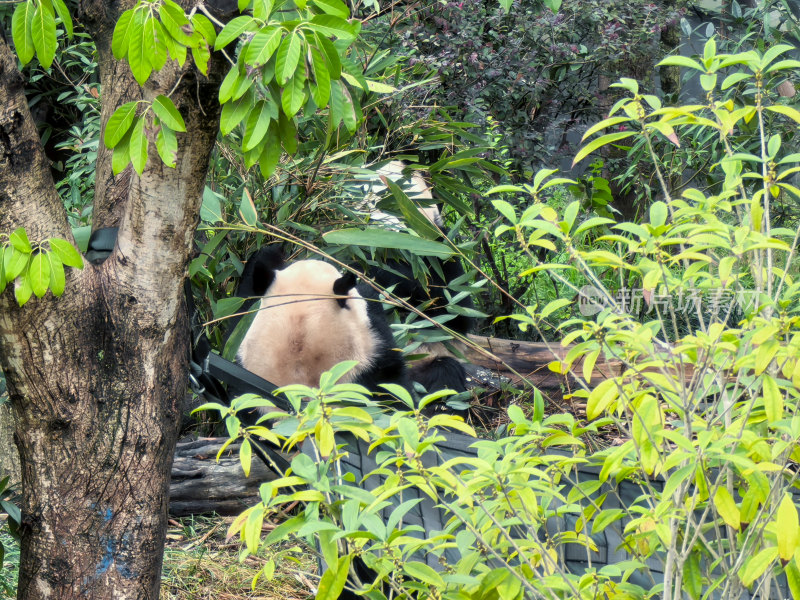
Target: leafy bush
[{"x": 700, "y": 491}]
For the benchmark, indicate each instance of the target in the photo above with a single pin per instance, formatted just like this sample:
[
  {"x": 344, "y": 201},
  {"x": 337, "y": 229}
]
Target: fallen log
[
  {"x": 529, "y": 360},
  {"x": 200, "y": 484}
]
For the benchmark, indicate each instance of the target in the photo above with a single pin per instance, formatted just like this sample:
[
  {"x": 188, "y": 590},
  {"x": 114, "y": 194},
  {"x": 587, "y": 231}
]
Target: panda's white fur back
[{"x": 301, "y": 330}]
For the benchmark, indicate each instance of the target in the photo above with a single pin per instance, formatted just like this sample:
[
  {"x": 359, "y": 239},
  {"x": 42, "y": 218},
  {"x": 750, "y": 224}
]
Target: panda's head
[{"x": 310, "y": 318}]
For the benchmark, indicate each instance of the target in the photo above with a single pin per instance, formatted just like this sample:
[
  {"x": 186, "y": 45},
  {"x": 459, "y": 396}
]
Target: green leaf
[
  {"x": 658, "y": 214},
  {"x": 263, "y": 46},
  {"x": 350, "y": 115},
  {"x": 14, "y": 263},
  {"x": 174, "y": 21},
  {"x": 158, "y": 49},
  {"x": 787, "y": 528},
  {"x": 287, "y": 58},
  {"x": 201, "y": 55},
  {"x": 66, "y": 252},
  {"x": 257, "y": 125},
  {"x": 138, "y": 49},
  {"x": 773, "y": 399},
  {"x": 169, "y": 115},
  {"x": 43, "y": 31},
  {"x": 211, "y": 210},
  {"x": 205, "y": 28},
  {"x": 424, "y": 573},
  {"x": 234, "y": 112},
  {"x": 119, "y": 123},
  {"x": 23, "y": 291},
  {"x": 598, "y": 143},
  {"x": 333, "y": 26},
  {"x": 288, "y": 133},
  {"x": 233, "y": 29},
  {"x": 293, "y": 95},
  {"x": 262, "y": 9},
  {"x": 381, "y": 238},
  {"x": 121, "y": 156},
  {"x": 247, "y": 210},
  {"x": 21, "y": 31},
  {"x": 321, "y": 92},
  {"x": 235, "y": 85},
  {"x": 787, "y": 111},
  {"x": 39, "y": 274},
  {"x": 757, "y": 565},
  {"x": 58, "y": 280},
  {"x": 331, "y": 56},
  {"x": 681, "y": 61},
  {"x": 138, "y": 146},
  {"x": 726, "y": 507},
  {"x": 333, "y": 7},
  {"x": 333, "y": 580},
  {"x": 3, "y": 282},
  {"x": 413, "y": 217},
  {"x": 271, "y": 152},
  {"x": 246, "y": 458},
  {"x": 19, "y": 239},
  {"x": 167, "y": 146}
]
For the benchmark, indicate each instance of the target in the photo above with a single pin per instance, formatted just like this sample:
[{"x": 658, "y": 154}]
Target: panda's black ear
[
  {"x": 342, "y": 286},
  {"x": 259, "y": 271}
]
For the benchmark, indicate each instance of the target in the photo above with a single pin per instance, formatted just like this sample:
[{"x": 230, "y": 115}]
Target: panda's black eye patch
[{"x": 342, "y": 286}]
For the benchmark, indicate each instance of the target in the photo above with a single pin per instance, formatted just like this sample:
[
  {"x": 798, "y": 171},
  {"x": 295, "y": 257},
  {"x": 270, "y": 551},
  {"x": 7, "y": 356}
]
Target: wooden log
[
  {"x": 200, "y": 484},
  {"x": 531, "y": 359}
]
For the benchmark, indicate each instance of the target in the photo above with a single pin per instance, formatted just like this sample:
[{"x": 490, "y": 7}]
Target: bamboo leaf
[
  {"x": 381, "y": 238},
  {"x": 247, "y": 209}
]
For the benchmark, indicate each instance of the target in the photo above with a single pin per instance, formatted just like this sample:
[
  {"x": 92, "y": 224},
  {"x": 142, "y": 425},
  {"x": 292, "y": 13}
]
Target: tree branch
[{"x": 28, "y": 196}]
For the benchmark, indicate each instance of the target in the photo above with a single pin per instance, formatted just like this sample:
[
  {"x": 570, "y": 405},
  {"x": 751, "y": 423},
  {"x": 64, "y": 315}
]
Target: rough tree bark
[{"x": 96, "y": 377}]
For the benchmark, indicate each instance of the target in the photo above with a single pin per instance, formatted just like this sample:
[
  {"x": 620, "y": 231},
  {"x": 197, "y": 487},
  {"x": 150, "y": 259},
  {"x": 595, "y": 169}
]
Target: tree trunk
[
  {"x": 9, "y": 458},
  {"x": 96, "y": 377}
]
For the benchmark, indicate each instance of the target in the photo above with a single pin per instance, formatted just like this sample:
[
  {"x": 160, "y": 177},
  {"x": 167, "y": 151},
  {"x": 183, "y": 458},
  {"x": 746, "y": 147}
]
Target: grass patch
[
  {"x": 199, "y": 564},
  {"x": 10, "y": 564}
]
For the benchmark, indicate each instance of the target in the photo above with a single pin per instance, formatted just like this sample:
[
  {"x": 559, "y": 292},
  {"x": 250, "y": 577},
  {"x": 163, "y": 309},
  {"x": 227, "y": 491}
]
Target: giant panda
[{"x": 311, "y": 317}]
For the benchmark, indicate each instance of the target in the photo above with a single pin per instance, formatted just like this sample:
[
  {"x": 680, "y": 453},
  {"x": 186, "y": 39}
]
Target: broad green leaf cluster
[
  {"x": 34, "y": 29},
  {"x": 35, "y": 268},
  {"x": 698, "y": 303},
  {"x": 497, "y": 501}
]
